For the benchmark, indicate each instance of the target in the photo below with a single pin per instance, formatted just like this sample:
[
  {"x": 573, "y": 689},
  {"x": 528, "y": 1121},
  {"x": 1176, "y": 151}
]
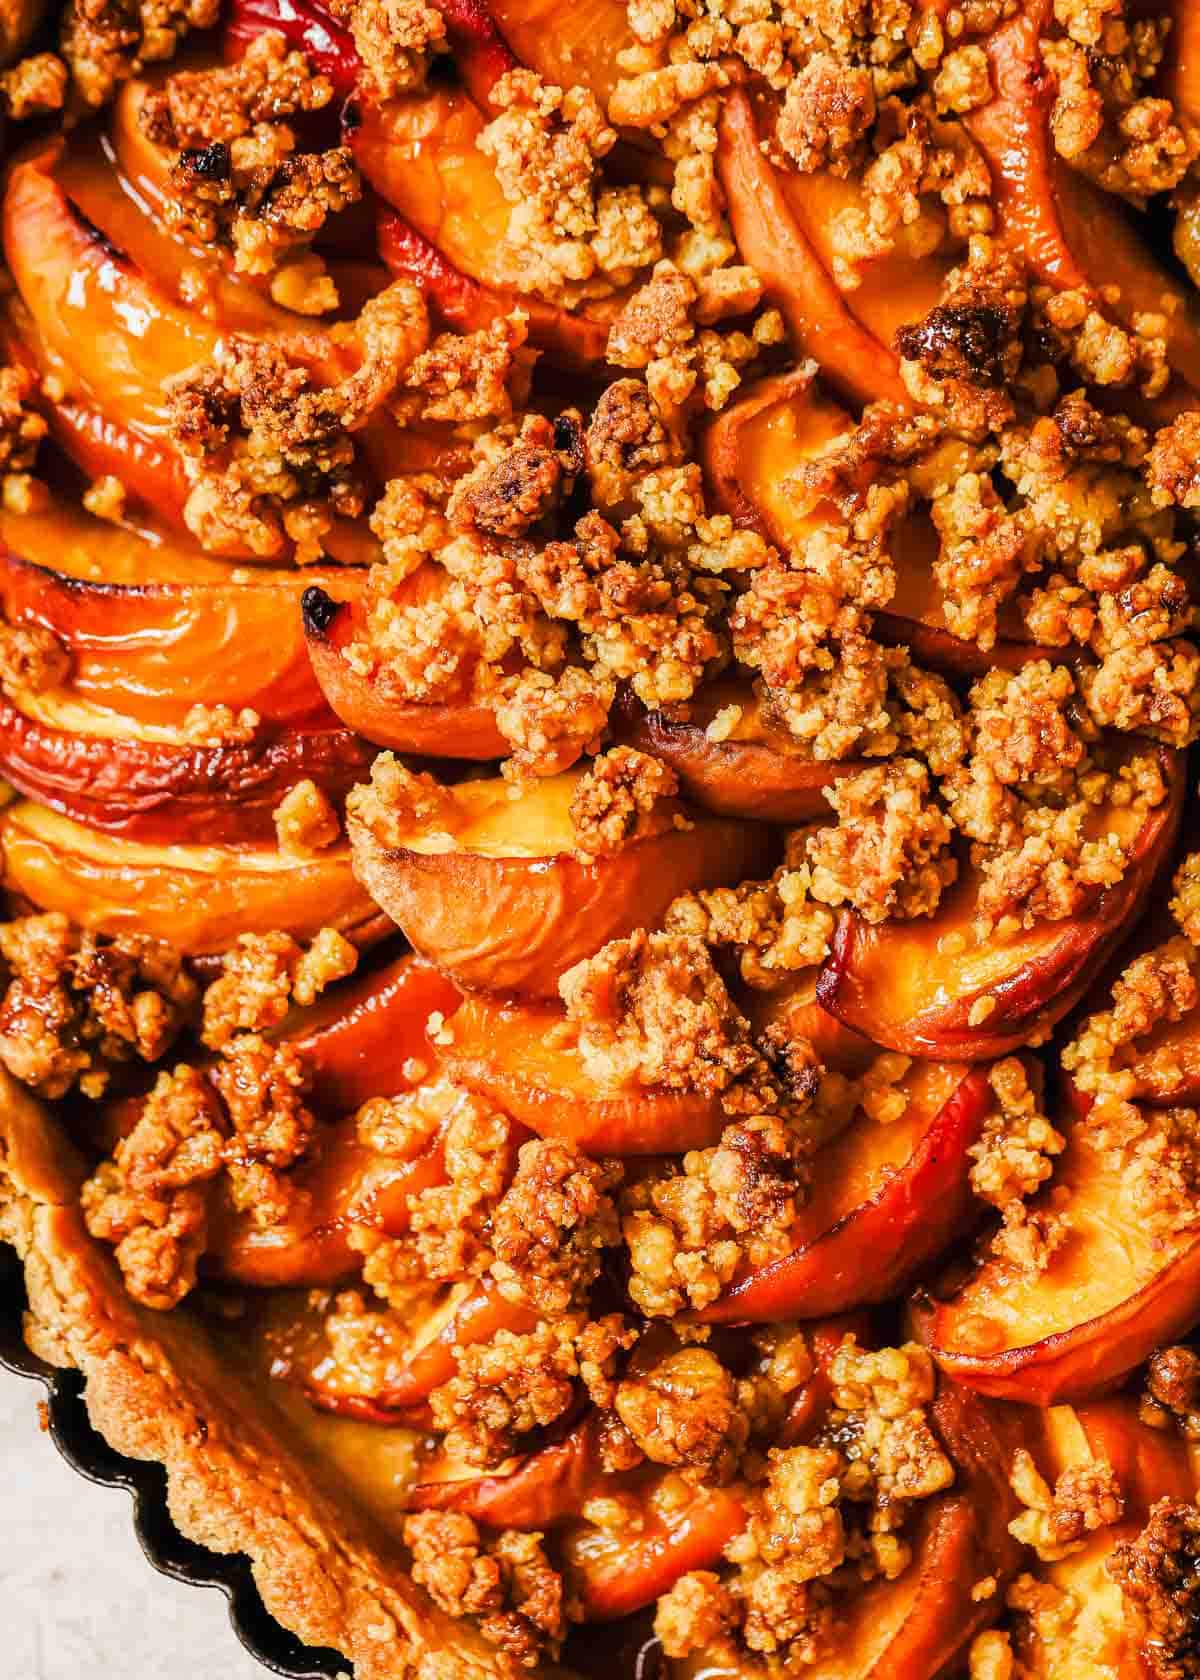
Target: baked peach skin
[
  {"x": 1109, "y": 1296},
  {"x": 129, "y": 781},
  {"x": 771, "y": 240},
  {"x": 913, "y": 986},
  {"x": 419, "y": 152},
  {"x": 1068, "y": 232},
  {"x": 886, "y": 1200},
  {"x": 752, "y": 453},
  {"x": 525, "y": 1058},
  {"x": 154, "y": 626},
  {"x": 197, "y": 898},
  {"x": 452, "y": 729},
  {"x": 495, "y": 893},
  {"x": 752, "y": 769}
]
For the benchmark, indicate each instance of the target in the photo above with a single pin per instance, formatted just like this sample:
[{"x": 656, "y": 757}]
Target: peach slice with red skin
[
  {"x": 445, "y": 729},
  {"x": 1068, "y": 232},
  {"x": 571, "y": 338},
  {"x": 200, "y": 632},
  {"x": 197, "y": 898},
  {"x": 499, "y": 898},
  {"x": 791, "y": 1008},
  {"x": 886, "y": 1200},
  {"x": 915, "y": 986},
  {"x": 420, "y": 153},
  {"x": 168, "y": 792},
  {"x": 612, "y": 1575},
  {"x": 1110, "y": 1295},
  {"x": 752, "y": 453},
  {"x": 772, "y": 241},
  {"x": 525, "y": 1058},
  {"x": 752, "y": 769}
]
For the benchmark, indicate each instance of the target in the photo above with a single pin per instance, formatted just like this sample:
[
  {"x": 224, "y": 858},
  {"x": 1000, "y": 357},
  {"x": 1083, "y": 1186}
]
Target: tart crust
[{"x": 156, "y": 1390}]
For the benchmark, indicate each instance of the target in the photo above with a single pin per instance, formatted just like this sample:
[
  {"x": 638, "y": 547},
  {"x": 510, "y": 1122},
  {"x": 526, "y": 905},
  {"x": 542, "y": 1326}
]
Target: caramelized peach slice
[
  {"x": 535, "y": 1490},
  {"x": 886, "y": 1200},
  {"x": 568, "y": 45},
  {"x": 346, "y": 1186},
  {"x": 525, "y": 1058},
  {"x": 933, "y": 987},
  {"x": 749, "y": 766},
  {"x": 752, "y": 454},
  {"x": 613, "y": 1575},
  {"x": 896, "y": 289},
  {"x": 570, "y": 338},
  {"x": 464, "y": 1314},
  {"x": 1068, "y": 233},
  {"x": 772, "y": 241},
  {"x": 197, "y": 898},
  {"x": 452, "y": 729},
  {"x": 154, "y": 626},
  {"x": 1109, "y": 1296},
  {"x": 793, "y": 1010},
  {"x": 496, "y": 894},
  {"x": 148, "y": 783},
  {"x": 420, "y": 154},
  {"x": 369, "y": 1037}
]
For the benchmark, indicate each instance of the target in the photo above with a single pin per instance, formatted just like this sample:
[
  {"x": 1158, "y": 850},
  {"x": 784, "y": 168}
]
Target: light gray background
[{"x": 78, "y": 1601}]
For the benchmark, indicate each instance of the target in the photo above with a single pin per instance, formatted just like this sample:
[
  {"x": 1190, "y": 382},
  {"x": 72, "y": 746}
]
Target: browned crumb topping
[
  {"x": 772, "y": 927},
  {"x": 569, "y": 236},
  {"x": 271, "y": 456},
  {"x": 151, "y": 1200},
  {"x": 614, "y": 794},
  {"x": 1158, "y": 1575},
  {"x": 75, "y": 1005},
  {"x": 21, "y": 427},
  {"x": 32, "y": 659},
  {"x": 306, "y": 821},
  {"x": 887, "y": 856},
  {"x": 193, "y": 108},
  {"x": 1172, "y": 1393},
  {"x": 264, "y": 974},
  {"x": 1011, "y": 1161},
  {"x": 653, "y": 1009},
  {"x": 450, "y": 1225},
  {"x": 1085, "y": 1498},
  {"x": 482, "y": 375},
  {"x": 396, "y": 41},
  {"x": 684, "y": 1411},
  {"x": 504, "y": 1583},
  {"x": 398, "y": 803},
  {"x": 512, "y": 1384},
  {"x": 106, "y": 41},
  {"x": 626, "y": 439},
  {"x": 34, "y": 86},
  {"x": 843, "y": 1500},
  {"x": 263, "y": 1087},
  {"x": 552, "y": 1223}
]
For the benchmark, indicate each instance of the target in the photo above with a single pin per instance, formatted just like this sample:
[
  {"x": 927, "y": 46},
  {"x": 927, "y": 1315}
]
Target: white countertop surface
[{"x": 79, "y": 1600}]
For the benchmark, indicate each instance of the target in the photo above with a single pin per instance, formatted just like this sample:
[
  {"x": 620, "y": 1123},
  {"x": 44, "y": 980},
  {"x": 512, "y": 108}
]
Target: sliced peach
[
  {"x": 1068, "y": 233},
  {"x": 465, "y": 1314},
  {"x": 886, "y": 1200},
  {"x": 149, "y": 784},
  {"x": 1109, "y": 1296},
  {"x": 895, "y": 289},
  {"x": 452, "y": 729},
  {"x": 933, "y": 987},
  {"x": 197, "y": 898},
  {"x": 368, "y": 1037},
  {"x": 525, "y": 1058},
  {"x": 613, "y": 1574},
  {"x": 543, "y": 1487},
  {"x": 792, "y": 1009},
  {"x": 752, "y": 454},
  {"x": 751, "y": 768},
  {"x": 772, "y": 241},
  {"x": 570, "y": 338},
  {"x": 420, "y": 154},
  {"x": 154, "y": 626},
  {"x": 345, "y": 1186},
  {"x": 568, "y": 45},
  {"x": 499, "y": 898}
]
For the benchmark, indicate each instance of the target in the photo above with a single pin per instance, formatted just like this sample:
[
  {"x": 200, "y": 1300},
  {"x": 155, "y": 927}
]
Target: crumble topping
[
  {"x": 75, "y": 1005},
  {"x": 505, "y": 1583},
  {"x": 1085, "y": 1498},
  {"x": 1157, "y": 1575},
  {"x": 618, "y": 789},
  {"x": 264, "y": 974}
]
